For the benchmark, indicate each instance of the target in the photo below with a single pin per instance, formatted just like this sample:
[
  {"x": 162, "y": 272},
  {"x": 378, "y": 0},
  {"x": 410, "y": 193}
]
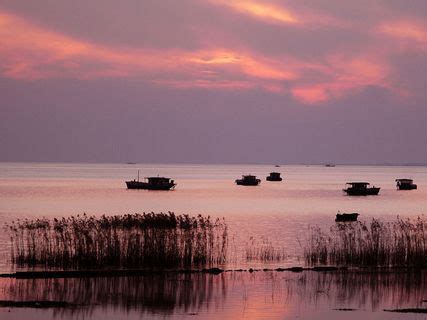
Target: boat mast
[{"x": 138, "y": 175}]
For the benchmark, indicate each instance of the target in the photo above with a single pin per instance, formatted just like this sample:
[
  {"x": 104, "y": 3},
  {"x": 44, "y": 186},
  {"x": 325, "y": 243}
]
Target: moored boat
[
  {"x": 361, "y": 189},
  {"x": 346, "y": 217},
  {"x": 274, "y": 176},
  {"x": 405, "y": 184},
  {"x": 152, "y": 183},
  {"x": 248, "y": 180}
]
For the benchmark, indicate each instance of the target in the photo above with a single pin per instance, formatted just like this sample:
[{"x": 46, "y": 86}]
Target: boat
[
  {"x": 405, "y": 184},
  {"x": 152, "y": 183},
  {"x": 274, "y": 176},
  {"x": 361, "y": 189},
  {"x": 277, "y": 166},
  {"x": 248, "y": 180},
  {"x": 346, "y": 217},
  {"x": 329, "y": 165}
]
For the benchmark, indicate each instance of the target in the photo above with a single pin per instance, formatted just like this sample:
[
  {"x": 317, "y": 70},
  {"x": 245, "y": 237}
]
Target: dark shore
[{"x": 213, "y": 271}]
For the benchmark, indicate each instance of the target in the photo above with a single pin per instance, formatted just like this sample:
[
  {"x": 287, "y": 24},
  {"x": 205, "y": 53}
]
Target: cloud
[
  {"x": 344, "y": 76},
  {"x": 31, "y": 52},
  {"x": 405, "y": 30},
  {"x": 251, "y": 66},
  {"x": 311, "y": 94},
  {"x": 261, "y": 10}
]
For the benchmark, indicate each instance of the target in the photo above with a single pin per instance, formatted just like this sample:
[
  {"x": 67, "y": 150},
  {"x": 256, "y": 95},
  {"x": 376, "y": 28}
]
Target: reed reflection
[
  {"x": 164, "y": 293},
  {"x": 372, "y": 291},
  {"x": 178, "y": 294}
]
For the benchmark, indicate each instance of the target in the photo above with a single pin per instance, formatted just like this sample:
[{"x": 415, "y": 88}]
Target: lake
[{"x": 279, "y": 214}]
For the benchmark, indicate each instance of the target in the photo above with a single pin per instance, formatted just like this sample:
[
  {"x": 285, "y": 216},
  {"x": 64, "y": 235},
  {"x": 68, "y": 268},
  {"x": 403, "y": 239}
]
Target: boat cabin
[
  {"x": 346, "y": 217},
  {"x": 248, "y": 180},
  {"x": 158, "y": 180},
  {"x": 152, "y": 183},
  {"x": 405, "y": 184},
  {"x": 274, "y": 176},
  {"x": 358, "y": 185},
  {"x": 360, "y": 189}
]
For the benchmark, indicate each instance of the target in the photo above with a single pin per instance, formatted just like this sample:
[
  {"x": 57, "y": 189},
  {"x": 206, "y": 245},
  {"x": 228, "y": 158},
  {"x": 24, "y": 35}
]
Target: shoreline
[{"x": 212, "y": 271}]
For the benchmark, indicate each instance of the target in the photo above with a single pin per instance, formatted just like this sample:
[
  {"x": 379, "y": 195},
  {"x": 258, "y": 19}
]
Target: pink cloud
[
  {"x": 30, "y": 52},
  {"x": 273, "y": 13},
  {"x": 261, "y": 10},
  {"x": 345, "y": 75},
  {"x": 311, "y": 94},
  {"x": 252, "y": 66},
  {"x": 405, "y": 31}
]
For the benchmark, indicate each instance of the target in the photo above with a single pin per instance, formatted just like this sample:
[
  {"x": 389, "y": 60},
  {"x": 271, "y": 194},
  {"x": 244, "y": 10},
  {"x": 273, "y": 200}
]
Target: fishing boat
[
  {"x": 248, "y": 180},
  {"x": 360, "y": 189},
  {"x": 151, "y": 183},
  {"x": 405, "y": 184},
  {"x": 346, "y": 217},
  {"x": 274, "y": 176}
]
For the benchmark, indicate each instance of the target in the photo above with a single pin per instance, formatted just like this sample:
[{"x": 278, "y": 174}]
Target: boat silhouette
[{"x": 151, "y": 183}]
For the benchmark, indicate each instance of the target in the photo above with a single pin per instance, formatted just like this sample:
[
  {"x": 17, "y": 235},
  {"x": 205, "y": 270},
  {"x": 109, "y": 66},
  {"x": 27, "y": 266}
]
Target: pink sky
[{"x": 323, "y": 68}]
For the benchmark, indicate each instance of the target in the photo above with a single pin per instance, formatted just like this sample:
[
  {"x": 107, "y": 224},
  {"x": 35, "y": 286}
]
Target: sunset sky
[{"x": 214, "y": 81}]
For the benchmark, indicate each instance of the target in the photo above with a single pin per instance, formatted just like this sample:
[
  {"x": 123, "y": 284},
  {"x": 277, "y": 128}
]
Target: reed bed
[
  {"x": 161, "y": 240},
  {"x": 401, "y": 243},
  {"x": 264, "y": 251}
]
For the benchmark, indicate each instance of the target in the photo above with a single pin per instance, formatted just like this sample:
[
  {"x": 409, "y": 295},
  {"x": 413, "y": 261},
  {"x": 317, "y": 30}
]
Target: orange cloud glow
[
  {"x": 261, "y": 10},
  {"x": 405, "y": 30},
  {"x": 250, "y": 66},
  {"x": 30, "y": 52},
  {"x": 344, "y": 76},
  {"x": 310, "y": 94}
]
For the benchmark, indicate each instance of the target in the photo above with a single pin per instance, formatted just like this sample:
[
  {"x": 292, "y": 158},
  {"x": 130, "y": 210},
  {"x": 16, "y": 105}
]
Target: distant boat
[
  {"x": 277, "y": 166},
  {"x": 274, "y": 176},
  {"x": 330, "y": 165},
  {"x": 361, "y": 189},
  {"x": 130, "y": 162},
  {"x": 152, "y": 183},
  {"x": 346, "y": 217},
  {"x": 405, "y": 184},
  {"x": 248, "y": 180}
]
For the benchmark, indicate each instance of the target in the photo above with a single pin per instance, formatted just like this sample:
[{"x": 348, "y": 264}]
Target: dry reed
[
  {"x": 161, "y": 240},
  {"x": 401, "y": 243},
  {"x": 264, "y": 251}
]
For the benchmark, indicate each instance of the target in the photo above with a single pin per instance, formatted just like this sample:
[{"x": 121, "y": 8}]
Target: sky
[{"x": 214, "y": 81}]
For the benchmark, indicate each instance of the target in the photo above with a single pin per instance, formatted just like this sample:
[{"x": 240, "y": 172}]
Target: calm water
[
  {"x": 231, "y": 295},
  {"x": 278, "y": 212}
]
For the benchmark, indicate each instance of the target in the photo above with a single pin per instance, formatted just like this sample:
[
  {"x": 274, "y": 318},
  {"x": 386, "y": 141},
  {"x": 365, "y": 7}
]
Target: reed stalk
[
  {"x": 161, "y": 240},
  {"x": 401, "y": 243}
]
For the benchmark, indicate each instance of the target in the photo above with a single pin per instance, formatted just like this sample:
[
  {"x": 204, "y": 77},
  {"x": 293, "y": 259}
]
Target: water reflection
[
  {"x": 165, "y": 294},
  {"x": 258, "y": 294}
]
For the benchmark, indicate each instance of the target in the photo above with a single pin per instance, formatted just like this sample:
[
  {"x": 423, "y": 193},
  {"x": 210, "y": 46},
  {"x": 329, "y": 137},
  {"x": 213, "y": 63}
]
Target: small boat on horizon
[
  {"x": 346, "y": 217},
  {"x": 330, "y": 165},
  {"x": 152, "y": 183},
  {"x": 274, "y": 176},
  {"x": 405, "y": 184},
  {"x": 248, "y": 180},
  {"x": 361, "y": 189}
]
